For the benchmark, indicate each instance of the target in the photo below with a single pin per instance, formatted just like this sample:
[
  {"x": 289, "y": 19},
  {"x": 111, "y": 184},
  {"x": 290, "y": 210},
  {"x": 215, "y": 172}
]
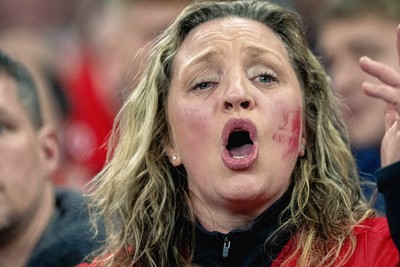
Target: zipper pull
[{"x": 225, "y": 250}]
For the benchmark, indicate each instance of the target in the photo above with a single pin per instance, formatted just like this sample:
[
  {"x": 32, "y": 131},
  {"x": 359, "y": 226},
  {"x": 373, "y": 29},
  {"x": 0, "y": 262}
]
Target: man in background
[{"x": 39, "y": 225}]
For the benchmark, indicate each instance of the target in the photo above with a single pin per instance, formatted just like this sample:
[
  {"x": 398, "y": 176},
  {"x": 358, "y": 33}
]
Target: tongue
[{"x": 241, "y": 151}]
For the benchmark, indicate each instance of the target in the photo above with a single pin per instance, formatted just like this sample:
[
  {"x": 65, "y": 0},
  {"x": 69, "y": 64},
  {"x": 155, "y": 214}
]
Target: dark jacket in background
[{"x": 68, "y": 237}]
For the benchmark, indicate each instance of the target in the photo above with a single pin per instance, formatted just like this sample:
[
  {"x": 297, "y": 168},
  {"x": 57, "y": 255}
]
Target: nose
[{"x": 237, "y": 97}]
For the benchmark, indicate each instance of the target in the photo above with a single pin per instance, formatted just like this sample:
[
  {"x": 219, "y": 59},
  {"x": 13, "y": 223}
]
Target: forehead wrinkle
[
  {"x": 201, "y": 37},
  {"x": 208, "y": 42}
]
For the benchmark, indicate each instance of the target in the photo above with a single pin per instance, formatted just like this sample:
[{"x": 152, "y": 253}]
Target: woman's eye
[
  {"x": 202, "y": 85},
  {"x": 266, "y": 78}
]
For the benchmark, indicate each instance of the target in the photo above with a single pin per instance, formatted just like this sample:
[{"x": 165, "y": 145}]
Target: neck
[
  {"x": 17, "y": 244},
  {"x": 226, "y": 218},
  {"x": 242, "y": 247}
]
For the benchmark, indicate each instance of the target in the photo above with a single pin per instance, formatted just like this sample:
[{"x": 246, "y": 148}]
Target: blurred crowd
[{"x": 80, "y": 54}]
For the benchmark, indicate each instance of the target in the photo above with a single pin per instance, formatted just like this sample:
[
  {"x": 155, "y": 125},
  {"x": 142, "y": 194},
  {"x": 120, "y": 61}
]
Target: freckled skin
[{"x": 235, "y": 61}]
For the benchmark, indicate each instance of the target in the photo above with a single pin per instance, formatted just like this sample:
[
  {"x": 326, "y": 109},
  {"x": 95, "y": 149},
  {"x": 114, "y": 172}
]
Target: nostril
[
  {"x": 245, "y": 104},
  {"x": 228, "y": 106}
]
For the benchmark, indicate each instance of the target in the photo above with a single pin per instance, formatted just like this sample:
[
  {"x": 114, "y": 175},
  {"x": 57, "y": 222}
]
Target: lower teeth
[{"x": 240, "y": 157}]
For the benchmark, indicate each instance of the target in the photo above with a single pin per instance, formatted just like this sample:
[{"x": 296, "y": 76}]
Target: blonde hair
[{"x": 144, "y": 199}]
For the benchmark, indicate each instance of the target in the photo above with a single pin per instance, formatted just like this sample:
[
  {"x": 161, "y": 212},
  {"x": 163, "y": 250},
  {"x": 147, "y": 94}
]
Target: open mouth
[{"x": 239, "y": 144}]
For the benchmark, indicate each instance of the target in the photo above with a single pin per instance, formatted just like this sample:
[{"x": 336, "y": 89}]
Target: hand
[{"x": 389, "y": 92}]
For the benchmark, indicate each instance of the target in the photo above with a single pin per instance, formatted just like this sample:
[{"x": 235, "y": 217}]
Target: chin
[{"x": 246, "y": 192}]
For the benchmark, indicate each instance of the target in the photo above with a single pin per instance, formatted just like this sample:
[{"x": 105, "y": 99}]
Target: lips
[{"x": 239, "y": 144}]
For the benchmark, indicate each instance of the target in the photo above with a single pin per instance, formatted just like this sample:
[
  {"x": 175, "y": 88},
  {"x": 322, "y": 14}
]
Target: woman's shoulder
[
  {"x": 101, "y": 261},
  {"x": 374, "y": 246},
  {"x": 373, "y": 225},
  {"x": 374, "y": 243},
  {"x": 86, "y": 265}
]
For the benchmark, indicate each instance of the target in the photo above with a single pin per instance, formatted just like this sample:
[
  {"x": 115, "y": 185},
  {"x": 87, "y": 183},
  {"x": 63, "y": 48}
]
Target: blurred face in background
[
  {"x": 43, "y": 15},
  {"x": 27, "y": 160},
  {"x": 342, "y": 43},
  {"x": 125, "y": 32}
]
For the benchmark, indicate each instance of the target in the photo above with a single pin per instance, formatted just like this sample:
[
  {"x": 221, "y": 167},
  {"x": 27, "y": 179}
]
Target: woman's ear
[
  {"x": 302, "y": 147},
  {"x": 171, "y": 152}
]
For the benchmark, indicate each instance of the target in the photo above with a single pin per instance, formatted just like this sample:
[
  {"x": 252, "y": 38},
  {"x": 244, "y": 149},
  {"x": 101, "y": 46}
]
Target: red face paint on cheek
[{"x": 288, "y": 133}]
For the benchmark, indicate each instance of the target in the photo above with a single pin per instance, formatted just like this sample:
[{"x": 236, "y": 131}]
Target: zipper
[{"x": 225, "y": 249}]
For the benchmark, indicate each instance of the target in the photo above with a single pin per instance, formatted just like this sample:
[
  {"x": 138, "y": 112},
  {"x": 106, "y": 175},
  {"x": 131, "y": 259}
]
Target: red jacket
[{"x": 374, "y": 248}]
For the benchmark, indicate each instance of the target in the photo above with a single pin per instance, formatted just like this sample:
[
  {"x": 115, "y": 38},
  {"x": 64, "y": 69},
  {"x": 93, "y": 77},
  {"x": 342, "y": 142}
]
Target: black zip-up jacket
[{"x": 246, "y": 247}]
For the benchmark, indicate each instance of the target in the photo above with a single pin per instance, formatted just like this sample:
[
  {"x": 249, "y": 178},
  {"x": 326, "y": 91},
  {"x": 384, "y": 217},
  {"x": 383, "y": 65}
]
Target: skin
[
  {"x": 342, "y": 43},
  {"x": 388, "y": 91},
  {"x": 242, "y": 70},
  {"x": 28, "y": 158}
]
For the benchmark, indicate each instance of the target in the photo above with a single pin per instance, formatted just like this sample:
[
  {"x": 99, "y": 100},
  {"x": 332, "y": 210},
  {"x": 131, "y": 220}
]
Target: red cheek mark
[{"x": 289, "y": 131}]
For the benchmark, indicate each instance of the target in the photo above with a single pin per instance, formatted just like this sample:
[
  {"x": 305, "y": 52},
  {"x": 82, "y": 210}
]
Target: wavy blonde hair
[{"x": 144, "y": 200}]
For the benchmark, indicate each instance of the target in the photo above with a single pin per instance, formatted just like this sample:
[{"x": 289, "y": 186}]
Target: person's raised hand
[{"x": 389, "y": 92}]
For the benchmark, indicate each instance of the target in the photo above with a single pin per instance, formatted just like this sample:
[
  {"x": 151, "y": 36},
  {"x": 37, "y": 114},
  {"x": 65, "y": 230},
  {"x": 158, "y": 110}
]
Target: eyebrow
[
  {"x": 187, "y": 66},
  {"x": 207, "y": 55},
  {"x": 204, "y": 56},
  {"x": 365, "y": 44},
  {"x": 256, "y": 50}
]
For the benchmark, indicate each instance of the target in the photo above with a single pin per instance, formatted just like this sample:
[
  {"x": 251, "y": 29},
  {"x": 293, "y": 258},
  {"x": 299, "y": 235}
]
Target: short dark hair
[{"x": 26, "y": 89}]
